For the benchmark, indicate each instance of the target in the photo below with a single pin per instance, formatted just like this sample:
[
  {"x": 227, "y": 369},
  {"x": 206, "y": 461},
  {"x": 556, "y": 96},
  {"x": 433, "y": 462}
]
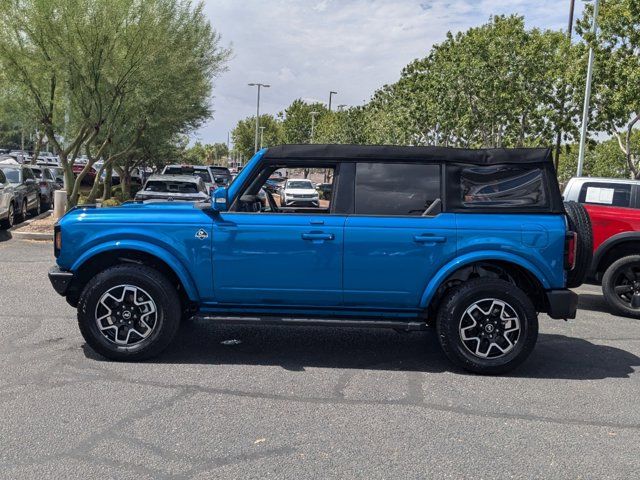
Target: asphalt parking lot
[{"x": 306, "y": 402}]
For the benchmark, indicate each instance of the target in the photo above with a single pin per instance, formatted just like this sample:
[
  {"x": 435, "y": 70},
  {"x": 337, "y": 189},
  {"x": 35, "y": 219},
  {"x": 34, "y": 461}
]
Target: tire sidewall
[
  {"x": 449, "y": 322},
  {"x": 167, "y": 314},
  {"x": 608, "y": 286}
]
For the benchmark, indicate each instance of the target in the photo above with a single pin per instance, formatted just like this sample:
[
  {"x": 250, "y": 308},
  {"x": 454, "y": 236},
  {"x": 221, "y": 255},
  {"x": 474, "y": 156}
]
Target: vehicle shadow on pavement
[
  {"x": 593, "y": 302},
  {"x": 297, "y": 348},
  {"x": 5, "y": 235}
]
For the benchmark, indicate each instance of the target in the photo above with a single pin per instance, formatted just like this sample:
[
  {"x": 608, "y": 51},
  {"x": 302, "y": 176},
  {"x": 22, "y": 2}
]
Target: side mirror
[
  {"x": 220, "y": 200},
  {"x": 29, "y": 181}
]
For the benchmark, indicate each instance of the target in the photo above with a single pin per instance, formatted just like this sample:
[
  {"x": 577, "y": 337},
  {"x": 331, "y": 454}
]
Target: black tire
[
  {"x": 623, "y": 274},
  {"x": 34, "y": 212},
  {"x": 11, "y": 217},
  {"x": 453, "y": 312},
  {"x": 580, "y": 223},
  {"x": 22, "y": 214},
  {"x": 151, "y": 283},
  {"x": 45, "y": 205}
]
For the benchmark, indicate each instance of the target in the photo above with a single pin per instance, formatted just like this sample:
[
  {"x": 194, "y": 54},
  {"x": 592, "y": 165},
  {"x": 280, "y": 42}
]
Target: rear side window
[
  {"x": 171, "y": 187},
  {"x": 500, "y": 186},
  {"x": 396, "y": 189},
  {"x": 616, "y": 195},
  {"x": 3, "y": 179}
]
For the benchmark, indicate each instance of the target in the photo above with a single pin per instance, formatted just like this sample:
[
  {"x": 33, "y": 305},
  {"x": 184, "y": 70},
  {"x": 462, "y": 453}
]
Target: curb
[{"x": 43, "y": 237}]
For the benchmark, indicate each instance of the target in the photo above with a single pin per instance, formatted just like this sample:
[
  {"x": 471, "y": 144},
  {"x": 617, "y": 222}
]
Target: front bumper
[
  {"x": 60, "y": 279},
  {"x": 562, "y": 303}
]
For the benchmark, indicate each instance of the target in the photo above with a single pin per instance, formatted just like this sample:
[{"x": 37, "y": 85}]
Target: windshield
[
  {"x": 37, "y": 172},
  {"x": 201, "y": 172},
  {"x": 305, "y": 184},
  {"x": 171, "y": 187},
  {"x": 12, "y": 174}
]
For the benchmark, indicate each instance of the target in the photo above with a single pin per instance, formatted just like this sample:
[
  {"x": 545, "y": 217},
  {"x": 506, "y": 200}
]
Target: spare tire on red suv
[{"x": 580, "y": 223}]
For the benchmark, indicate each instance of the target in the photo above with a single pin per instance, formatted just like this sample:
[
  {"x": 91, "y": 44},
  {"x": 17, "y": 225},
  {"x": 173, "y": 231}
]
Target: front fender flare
[
  {"x": 178, "y": 268},
  {"x": 470, "y": 258}
]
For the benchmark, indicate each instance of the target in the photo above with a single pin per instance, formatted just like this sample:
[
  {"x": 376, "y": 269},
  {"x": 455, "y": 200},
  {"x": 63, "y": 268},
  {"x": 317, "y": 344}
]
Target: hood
[{"x": 162, "y": 212}]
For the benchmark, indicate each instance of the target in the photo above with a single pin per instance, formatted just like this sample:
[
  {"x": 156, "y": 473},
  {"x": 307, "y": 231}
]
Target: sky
[{"x": 306, "y": 48}]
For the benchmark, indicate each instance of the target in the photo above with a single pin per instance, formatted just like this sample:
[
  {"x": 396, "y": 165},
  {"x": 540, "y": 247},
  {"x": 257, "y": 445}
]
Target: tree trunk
[
  {"x": 106, "y": 186},
  {"x": 125, "y": 183},
  {"x": 95, "y": 188},
  {"x": 631, "y": 161}
]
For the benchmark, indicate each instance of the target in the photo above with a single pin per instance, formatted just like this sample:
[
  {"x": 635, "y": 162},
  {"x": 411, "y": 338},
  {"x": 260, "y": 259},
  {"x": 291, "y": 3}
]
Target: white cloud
[{"x": 306, "y": 48}]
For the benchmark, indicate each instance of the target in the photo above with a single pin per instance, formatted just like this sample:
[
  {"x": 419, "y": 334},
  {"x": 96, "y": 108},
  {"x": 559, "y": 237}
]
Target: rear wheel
[
  {"x": 580, "y": 223},
  {"x": 487, "y": 326},
  {"x": 37, "y": 209},
  {"x": 22, "y": 215},
  {"x": 129, "y": 312},
  {"x": 621, "y": 286}
]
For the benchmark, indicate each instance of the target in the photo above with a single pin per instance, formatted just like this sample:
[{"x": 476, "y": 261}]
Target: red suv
[{"x": 614, "y": 209}]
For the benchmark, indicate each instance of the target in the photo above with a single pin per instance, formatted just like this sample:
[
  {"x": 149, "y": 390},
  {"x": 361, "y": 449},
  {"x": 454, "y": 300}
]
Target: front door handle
[
  {"x": 429, "y": 239},
  {"x": 318, "y": 237}
]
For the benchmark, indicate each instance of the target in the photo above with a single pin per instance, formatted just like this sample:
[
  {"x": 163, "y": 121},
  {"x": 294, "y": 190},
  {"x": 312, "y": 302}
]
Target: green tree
[
  {"x": 491, "y": 86},
  {"x": 102, "y": 74},
  {"x": 296, "y": 121},
  {"x": 243, "y": 135},
  {"x": 615, "y": 98}
]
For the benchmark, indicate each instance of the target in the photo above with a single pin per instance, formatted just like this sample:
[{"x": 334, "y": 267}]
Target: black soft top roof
[{"x": 484, "y": 156}]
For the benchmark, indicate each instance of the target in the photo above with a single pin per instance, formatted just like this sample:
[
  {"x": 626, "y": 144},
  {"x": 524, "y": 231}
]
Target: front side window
[
  {"x": 3, "y": 179},
  {"x": 616, "y": 195},
  {"x": 502, "y": 187},
  {"x": 396, "y": 189}
]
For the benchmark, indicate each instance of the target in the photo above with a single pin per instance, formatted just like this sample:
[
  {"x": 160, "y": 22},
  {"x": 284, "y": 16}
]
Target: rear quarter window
[
  {"x": 498, "y": 187},
  {"x": 615, "y": 195}
]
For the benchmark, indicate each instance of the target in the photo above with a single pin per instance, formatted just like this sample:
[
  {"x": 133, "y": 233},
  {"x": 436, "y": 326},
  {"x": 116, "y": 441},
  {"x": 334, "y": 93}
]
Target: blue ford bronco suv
[{"x": 472, "y": 242}]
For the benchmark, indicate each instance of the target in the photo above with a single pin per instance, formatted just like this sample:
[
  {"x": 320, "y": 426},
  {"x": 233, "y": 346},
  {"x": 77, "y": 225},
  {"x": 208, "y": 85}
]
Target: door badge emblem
[{"x": 201, "y": 234}]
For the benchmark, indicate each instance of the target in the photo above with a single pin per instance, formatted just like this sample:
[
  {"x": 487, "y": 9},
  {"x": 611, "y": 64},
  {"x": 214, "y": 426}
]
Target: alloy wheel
[
  {"x": 126, "y": 315},
  {"x": 490, "y": 328},
  {"x": 626, "y": 286}
]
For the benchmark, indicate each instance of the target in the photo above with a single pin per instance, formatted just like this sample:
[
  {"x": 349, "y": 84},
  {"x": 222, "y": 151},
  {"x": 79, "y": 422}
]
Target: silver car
[
  {"x": 183, "y": 188},
  {"x": 7, "y": 202}
]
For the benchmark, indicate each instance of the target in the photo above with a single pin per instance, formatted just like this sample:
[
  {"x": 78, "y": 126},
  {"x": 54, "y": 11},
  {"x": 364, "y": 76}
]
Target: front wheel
[
  {"x": 129, "y": 312},
  {"x": 487, "y": 326}
]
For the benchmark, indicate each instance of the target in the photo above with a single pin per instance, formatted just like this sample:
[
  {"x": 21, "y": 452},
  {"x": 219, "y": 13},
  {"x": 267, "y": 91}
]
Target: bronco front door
[{"x": 278, "y": 259}]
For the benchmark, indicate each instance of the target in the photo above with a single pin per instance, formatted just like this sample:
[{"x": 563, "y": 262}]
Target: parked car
[
  {"x": 397, "y": 247},
  {"x": 7, "y": 202},
  {"x": 324, "y": 190},
  {"x": 184, "y": 188},
  {"x": 613, "y": 206},
  {"x": 27, "y": 191},
  {"x": 89, "y": 177},
  {"x": 213, "y": 177},
  {"x": 299, "y": 192},
  {"x": 46, "y": 179}
]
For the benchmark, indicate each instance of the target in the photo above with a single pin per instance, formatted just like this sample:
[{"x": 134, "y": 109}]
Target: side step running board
[{"x": 312, "y": 322}]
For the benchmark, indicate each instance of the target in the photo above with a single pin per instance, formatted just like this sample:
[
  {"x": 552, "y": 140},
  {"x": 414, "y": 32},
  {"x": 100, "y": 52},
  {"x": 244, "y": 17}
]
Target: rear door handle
[
  {"x": 429, "y": 239},
  {"x": 318, "y": 236}
]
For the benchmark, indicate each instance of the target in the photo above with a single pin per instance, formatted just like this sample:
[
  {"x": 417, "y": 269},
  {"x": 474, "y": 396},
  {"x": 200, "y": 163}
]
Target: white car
[{"x": 299, "y": 192}]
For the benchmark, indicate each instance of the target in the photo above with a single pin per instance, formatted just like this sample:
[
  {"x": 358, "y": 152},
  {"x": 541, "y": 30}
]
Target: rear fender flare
[
  {"x": 470, "y": 258},
  {"x": 162, "y": 254}
]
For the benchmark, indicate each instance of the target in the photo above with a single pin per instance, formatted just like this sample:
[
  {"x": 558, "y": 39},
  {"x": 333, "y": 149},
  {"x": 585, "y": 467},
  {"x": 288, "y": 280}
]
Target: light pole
[
  {"x": 261, "y": 136},
  {"x": 313, "y": 124},
  {"x": 259, "y": 85},
  {"x": 587, "y": 92},
  {"x": 332, "y": 93}
]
